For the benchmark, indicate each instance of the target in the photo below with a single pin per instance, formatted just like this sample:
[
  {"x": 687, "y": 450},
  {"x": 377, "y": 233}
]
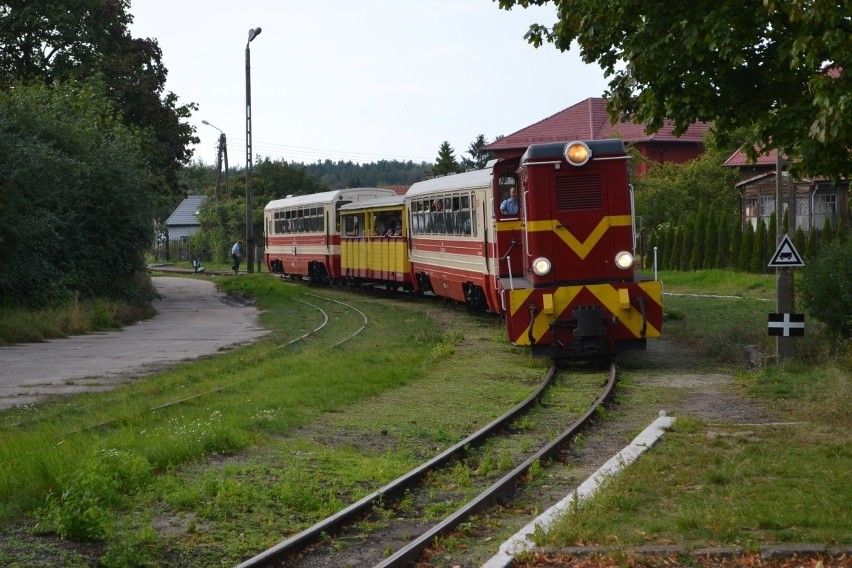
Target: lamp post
[
  {"x": 220, "y": 151},
  {"x": 253, "y": 33}
]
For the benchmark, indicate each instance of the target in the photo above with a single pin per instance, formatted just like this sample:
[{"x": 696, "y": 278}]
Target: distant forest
[
  {"x": 337, "y": 175},
  {"x": 277, "y": 178}
]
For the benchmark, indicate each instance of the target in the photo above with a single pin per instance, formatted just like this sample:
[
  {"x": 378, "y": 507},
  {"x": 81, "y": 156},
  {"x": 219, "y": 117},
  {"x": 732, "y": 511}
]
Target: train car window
[
  {"x": 424, "y": 217},
  {"x": 353, "y": 225},
  {"x": 414, "y": 217},
  {"x": 473, "y": 229},
  {"x": 464, "y": 215},
  {"x": 337, "y": 207}
]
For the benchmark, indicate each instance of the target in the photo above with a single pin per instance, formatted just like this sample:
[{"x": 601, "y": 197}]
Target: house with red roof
[
  {"x": 589, "y": 120},
  {"x": 817, "y": 199}
]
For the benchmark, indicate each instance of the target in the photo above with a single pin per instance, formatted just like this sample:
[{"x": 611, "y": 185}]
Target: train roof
[
  {"x": 466, "y": 180},
  {"x": 555, "y": 150},
  {"x": 392, "y": 201},
  {"x": 329, "y": 197}
]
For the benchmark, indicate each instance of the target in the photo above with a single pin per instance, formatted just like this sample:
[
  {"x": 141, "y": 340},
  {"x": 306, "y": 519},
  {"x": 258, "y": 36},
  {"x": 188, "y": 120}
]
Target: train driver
[{"x": 509, "y": 206}]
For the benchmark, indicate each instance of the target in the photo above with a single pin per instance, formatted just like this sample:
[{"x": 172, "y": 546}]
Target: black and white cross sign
[{"x": 786, "y": 324}]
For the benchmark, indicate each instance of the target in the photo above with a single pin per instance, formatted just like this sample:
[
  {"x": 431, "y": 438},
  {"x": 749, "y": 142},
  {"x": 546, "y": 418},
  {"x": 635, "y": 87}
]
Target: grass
[
  {"x": 707, "y": 484},
  {"x": 732, "y": 484},
  {"x": 198, "y": 474},
  {"x": 294, "y": 433},
  {"x": 22, "y": 325}
]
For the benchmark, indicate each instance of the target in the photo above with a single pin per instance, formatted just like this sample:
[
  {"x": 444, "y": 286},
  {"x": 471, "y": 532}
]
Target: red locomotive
[{"x": 545, "y": 240}]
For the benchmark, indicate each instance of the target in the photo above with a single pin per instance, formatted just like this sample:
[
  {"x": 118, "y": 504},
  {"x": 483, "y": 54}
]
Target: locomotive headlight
[
  {"x": 577, "y": 153},
  {"x": 541, "y": 266},
  {"x": 624, "y": 260}
]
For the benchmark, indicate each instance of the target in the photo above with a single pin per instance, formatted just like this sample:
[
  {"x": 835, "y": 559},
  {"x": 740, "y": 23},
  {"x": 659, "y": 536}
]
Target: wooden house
[{"x": 816, "y": 199}]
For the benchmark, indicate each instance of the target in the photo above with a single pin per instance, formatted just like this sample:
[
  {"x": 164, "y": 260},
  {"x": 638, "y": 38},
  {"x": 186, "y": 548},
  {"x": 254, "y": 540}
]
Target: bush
[
  {"x": 825, "y": 290},
  {"x": 81, "y": 511}
]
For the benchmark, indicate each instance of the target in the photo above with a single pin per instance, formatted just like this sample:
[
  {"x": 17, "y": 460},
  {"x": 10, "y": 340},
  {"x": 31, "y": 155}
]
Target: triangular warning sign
[{"x": 786, "y": 255}]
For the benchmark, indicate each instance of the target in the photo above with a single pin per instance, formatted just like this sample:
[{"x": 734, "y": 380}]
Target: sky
[{"x": 360, "y": 80}]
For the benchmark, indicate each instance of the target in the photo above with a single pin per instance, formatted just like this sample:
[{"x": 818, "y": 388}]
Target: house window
[
  {"x": 825, "y": 207},
  {"x": 750, "y": 209},
  {"x": 803, "y": 210},
  {"x": 767, "y": 208}
]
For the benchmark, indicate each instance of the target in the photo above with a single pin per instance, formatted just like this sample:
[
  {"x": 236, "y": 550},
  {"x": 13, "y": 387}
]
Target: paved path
[{"x": 193, "y": 320}]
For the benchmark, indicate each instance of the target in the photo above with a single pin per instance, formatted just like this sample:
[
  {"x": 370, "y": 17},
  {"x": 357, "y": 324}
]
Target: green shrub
[
  {"x": 825, "y": 289},
  {"x": 81, "y": 510}
]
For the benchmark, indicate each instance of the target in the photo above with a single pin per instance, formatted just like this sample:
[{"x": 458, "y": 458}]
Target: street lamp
[
  {"x": 253, "y": 33},
  {"x": 222, "y": 149}
]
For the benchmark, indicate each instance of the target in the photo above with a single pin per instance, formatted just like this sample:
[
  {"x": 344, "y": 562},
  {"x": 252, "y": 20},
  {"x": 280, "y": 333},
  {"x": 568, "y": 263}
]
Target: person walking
[{"x": 236, "y": 254}]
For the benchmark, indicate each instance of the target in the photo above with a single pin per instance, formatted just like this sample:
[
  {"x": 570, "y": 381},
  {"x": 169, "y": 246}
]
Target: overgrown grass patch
[
  {"x": 23, "y": 325},
  {"x": 748, "y": 485},
  {"x": 233, "y": 401}
]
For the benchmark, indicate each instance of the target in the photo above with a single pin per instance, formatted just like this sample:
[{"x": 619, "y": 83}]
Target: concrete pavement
[{"x": 192, "y": 320}]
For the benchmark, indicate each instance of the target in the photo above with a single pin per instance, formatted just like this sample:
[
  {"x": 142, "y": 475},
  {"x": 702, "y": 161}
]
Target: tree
[
  {"x": 670, "y": 191},
  {"x": 736, "y": 245},
  {"x": 822, "y": 293},
  {"x": 746, "y": 249},
  {"x": 711, "y": 242},
  {"x": 75, "y": 205},
  {"x": 478, "y": 158},
  {"x": 685, "y": 258},
  {"x": 696, "y": 253},
  {"x": 758, "y": 254},
  {"x": 779, "y": 68},
  {"x": 723, "y": 245},
  {"x": 88, "y": 40},
  {"x": 446, "y": 162}
]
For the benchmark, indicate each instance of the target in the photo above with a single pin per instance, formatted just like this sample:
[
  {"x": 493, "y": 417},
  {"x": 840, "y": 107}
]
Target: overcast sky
[{"x": 360, "y": 80}]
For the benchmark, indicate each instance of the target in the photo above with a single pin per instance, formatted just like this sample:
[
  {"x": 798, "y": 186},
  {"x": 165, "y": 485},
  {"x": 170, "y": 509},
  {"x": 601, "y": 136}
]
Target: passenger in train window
[
  {"x": 510, "y": 205},
  {"x": 391, "y": 227}
]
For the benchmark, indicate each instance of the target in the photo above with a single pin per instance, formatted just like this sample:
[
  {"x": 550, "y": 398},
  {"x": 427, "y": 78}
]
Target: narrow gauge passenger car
[
  {"x": 373, "y": 243},
  {"x": 302, "y": 233}
]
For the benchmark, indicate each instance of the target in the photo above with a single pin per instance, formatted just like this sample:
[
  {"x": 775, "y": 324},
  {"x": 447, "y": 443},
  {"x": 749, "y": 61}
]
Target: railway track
[{"x": 299, "y": 549}]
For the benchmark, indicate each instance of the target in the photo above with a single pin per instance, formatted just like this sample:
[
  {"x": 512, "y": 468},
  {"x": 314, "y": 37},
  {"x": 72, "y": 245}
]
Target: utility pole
[
  {"x": 784, "y": 275},
  {"x": 253, "y": 33},
  {"x": 222, "y": 149}
]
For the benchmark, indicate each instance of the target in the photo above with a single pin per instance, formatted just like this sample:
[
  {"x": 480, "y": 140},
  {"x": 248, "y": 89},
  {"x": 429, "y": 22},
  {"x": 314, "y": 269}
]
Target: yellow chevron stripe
[
  {"x": 581, "y": 248},
  {"x": 608, "y": 296},
  {"x": 561, "y": 299},
  {"x": 629, "y": 318}
]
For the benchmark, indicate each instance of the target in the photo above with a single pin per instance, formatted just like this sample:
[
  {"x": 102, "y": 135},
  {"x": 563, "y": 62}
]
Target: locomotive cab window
[{"x": 507, "y": 196}]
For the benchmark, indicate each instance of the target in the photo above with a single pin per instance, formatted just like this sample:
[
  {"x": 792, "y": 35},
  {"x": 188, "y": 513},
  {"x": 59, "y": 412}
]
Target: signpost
[
  {"x": 786, "y": 325},
  {"x": 786, "y": 255}
]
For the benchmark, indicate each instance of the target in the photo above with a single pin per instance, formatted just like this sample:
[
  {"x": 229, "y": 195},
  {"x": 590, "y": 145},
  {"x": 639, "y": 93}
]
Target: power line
[{"x": 300, "y": 153}]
